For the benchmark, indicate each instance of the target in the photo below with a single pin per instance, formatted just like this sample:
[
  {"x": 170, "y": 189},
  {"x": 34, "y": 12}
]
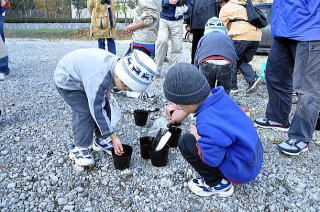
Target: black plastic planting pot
[
  {"x": 175, "y": 136},
  {"x": 159, "y": 158},
  {"x": 145, "y": 145},
  {"x": 122, "y": 161},
  {"x": 140, "y": 117}
]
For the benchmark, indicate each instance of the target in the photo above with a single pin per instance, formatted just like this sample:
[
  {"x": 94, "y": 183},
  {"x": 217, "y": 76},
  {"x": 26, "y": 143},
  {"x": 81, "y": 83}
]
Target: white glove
[{"x": 180, "y": 11}]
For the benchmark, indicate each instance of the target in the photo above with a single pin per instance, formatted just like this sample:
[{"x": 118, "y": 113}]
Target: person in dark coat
[{"x": 202, "y": 11}]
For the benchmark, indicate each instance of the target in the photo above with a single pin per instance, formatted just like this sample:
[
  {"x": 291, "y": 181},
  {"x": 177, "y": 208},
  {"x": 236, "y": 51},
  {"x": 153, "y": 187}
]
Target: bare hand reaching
[{"x": 117, "y": 146}]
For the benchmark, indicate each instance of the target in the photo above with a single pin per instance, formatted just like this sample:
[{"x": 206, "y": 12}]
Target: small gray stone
[
  {"x": 62, "y": 201},
  {"x": 89, "y": 209},
  {"x": 78, "y": 168},
  {"x": 4, "y": 152},
  {"x": 17, "y": 139},
  {"x": 53, "y": 177},
  {"x": 164, "y": 183},
  {"x": 79, "y": 189},
  {"x": 11, "y": 185},
  {"x": 68, "y": 207},
  {"x": 126, "y": 202}
]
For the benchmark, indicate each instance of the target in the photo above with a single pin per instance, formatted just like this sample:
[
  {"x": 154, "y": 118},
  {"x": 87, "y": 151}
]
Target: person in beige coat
[
  {"x": 246, "y": 40},
  {"x": 103, "y": 22}
]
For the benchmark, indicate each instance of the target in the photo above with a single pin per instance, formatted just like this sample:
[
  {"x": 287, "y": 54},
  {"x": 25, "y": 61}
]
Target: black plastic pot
[
  {"x": 140, "y": 117},
  {"x": 159, "y": 158},
  {"x": 175, "y": 136},
  {"x": 122, "y": 161},
  {"x": 145, "y": 145}
]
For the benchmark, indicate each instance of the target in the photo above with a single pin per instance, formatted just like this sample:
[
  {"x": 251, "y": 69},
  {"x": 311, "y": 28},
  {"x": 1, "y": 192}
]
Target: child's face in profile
[{"x": 119, "y": 84}]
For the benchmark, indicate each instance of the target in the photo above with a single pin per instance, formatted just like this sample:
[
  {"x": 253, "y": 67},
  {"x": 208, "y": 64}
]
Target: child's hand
[
  {"x": 177, "y": 117},
  {"x": 117, "y": 146},
  {"x": 193, "y": 131}
]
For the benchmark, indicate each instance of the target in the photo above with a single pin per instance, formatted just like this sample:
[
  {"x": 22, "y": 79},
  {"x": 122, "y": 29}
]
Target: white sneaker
[
  {"x": 81, "y": 156},
  {"x": 200, "y": 188},
  {"x": 2, "y": 77},
  {"x": 103, "y": 145}
]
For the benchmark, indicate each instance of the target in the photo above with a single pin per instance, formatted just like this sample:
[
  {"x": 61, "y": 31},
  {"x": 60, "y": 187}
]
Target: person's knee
[{"x": 184, "y": 142}]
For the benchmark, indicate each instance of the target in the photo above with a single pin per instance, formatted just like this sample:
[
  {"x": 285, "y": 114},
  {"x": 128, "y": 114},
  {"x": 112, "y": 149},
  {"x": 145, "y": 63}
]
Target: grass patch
[{"x": 49, "y": 33}]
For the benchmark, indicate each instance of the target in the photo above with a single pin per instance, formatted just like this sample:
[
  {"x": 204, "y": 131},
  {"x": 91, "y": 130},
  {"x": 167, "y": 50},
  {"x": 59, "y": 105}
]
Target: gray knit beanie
[{"x": 185, "y": 85}]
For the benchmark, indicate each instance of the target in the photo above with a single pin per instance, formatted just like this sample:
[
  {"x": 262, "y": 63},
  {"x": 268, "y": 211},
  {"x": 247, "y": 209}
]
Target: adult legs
[
  {"x": 176, "y": 30},
  {"x": 189, "y": 151},
  {"x": 162, "y": 43},
  {"x": 279, "y": 72},
  {"x": 245, "y": 52},
  {"x": 306, "y": 77},
  {"x": 102, "y": 43},
  {"x": 197, "y": 35},
  {"x": 111, "y": 45}
]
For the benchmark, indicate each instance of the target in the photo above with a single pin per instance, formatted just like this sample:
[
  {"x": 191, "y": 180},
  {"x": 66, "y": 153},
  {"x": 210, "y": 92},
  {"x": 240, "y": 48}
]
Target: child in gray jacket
[{"x": 84, "y": 77}]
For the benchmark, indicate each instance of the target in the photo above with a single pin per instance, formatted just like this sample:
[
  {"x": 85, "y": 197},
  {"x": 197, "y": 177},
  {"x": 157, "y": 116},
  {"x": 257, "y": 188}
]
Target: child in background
[
  {"x": 223, "y": 147},
  {"x": 145, "y": 26},
  {"x": 84, "y": 78},
  {"x": 215, "y": 55}
]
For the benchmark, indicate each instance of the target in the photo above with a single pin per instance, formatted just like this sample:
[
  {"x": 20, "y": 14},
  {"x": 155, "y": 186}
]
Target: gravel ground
[{"x": 36, "y": 174}]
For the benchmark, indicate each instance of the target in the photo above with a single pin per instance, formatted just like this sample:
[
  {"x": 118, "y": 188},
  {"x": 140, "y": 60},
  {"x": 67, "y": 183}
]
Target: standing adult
[
  {"x": 246, "y": 41},
  {"x": 171, "y": 28},
  {"x": 294, "y": 65},
  {"x": 103, "y": 22},
  {"x": 202, "y": 11},
  {"x": 4, "y": 68}
]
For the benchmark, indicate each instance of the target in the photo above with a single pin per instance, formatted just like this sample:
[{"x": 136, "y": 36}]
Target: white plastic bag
[
  {"x": 160, "y": 123},
  {"x": 115, "y": 111}
]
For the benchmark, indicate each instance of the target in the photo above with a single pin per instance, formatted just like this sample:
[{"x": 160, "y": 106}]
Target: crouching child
[
  {"x": 216, "y": 56},
  {"x": 223, "y": 147},
  {"x": 84, "y": 78}
]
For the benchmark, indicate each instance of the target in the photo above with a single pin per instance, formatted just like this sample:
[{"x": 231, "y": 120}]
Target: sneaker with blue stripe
[
  {"x": 293, "y": 147},
  {"x": 100, "y": 144},
  {"x": 81, "y": 156},
  {"x": 200, "y": 188}
]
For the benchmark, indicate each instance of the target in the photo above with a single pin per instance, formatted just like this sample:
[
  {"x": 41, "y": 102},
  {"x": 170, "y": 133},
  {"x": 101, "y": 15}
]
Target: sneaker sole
[
  {"x": 201, "y": 193},
  {"x": 255, "y": 86},
  {"x": 272, "y": 127},
  {"x": 293, "y": 154}
]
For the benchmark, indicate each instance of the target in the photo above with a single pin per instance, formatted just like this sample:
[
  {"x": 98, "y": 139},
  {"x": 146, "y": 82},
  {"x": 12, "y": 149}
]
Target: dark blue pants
[
  {"x": 110, "y": 42},
  {"x": 245, "y": 52},
  {"x": 218, "y": 73},
  {"x": 189, "y": 151},
  {"x": 294, "y": 66},
  {"x": 4, "y": 68}
]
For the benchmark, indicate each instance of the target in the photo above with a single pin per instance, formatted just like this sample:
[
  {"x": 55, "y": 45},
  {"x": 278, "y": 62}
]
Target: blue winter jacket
[
  {"x": 169, "y": 10},
  {"x": 296, "y": 19},
  {"x": 228, "y": 140}
]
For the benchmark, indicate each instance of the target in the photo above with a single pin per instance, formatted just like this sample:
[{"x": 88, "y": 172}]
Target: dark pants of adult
[
  {"x": 189, "y": 151},
  {"x": 218, "y": 73},
  {"x": 4, "y": 68},
  {"x": 110, "y": 42},
  {"x": 294, "y": 66},
  {"x": 245, "y": 52},
  {"x": 83, "y": 124},
  {"x": 197, "y": 35}
]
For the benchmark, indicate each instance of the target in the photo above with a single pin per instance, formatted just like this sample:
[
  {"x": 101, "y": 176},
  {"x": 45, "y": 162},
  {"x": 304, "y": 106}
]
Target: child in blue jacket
[{"x": 223, "y": 147}]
